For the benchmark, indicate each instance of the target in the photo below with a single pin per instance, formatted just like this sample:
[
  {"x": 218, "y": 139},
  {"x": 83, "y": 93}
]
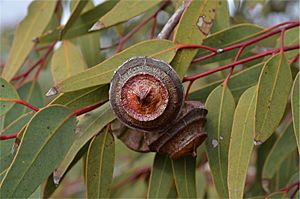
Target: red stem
[
  {"x": 137, "y": 174},
  {"x": 88, "y": 108},
  {"x": 153, "y": 27},
  {"x": 43, "y": 60},
  {"x": 294, "y": 59},
  {"x": 6, "y": 137},
  {"x": 259, "y": 38},
  {"x": 266, "y": 53},
  {"x": 188, "y": 90},
  {"x": 138, "y": 27},
  {"x": 40, "y": 62},
  {"x": 288, "y": 188},
  {"x": 22, "y": 102},
  {"x": 235, "y": 60}
]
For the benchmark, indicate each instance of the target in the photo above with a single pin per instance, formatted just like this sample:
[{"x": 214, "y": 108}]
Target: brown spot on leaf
[{"x": 203, "y": 25}]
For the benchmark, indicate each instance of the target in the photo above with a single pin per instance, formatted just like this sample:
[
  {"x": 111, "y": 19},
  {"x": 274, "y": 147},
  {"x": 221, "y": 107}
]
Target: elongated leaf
[
  {"x": 296, "y": 109},
  {"x": 161, "y": 178},
  {"x": 30, "y": 92},
  {"x": 32, "y": 163},
  {"x": 283, "y": 146},
  {"x": 66, "y": 62},
  {"x": 222, "y": 19},
  {"x": 241, "y": 143},
  {"x": 82, "y": 98},
  {"x": 229, "y": 36},
  {"x": 273, "y": 91},
  {"x": 100, "y": 165},
  {"x": 185, "y": 176},
  {"x": 193, "y": 27},
  {"x": 81, "y": 25},
  {"x": 89, "y": 125},
  {"x": 102, "y": 73},
  {"x": 123, "y": 11},
  {"x": 7, "y": 91},
  {"x": 238, "y": 83},
  {"x": 90, "y": 45},
  {"x": 8, "y": 147},
  {"x": 286, "y": 170},
  {"x": 50, "y": 187},
  {"x": 221, "y": 105},
  {"x": 37, "y": 19},
  {"x": 75, "y": 13},
  {"x": 201, "y": 183}
]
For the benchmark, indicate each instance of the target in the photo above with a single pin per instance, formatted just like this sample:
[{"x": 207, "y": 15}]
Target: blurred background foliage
[{"x": 127, "y": 162}]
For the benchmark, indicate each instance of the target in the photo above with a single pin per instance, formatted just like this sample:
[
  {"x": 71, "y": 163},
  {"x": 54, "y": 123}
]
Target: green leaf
[
  {"x": 287, "y": 168},
  {"x": 222, "y": 19},
  {"x": 229, "y": 36},
  {"x": 90, "y": 45},
  {"x": 191, "y": 30},
  {"x": 81, "y": 25},
  {"x": 37, "y": 19},
  {"x": 221, "y": 105},
  {"x": 238, "y": 83},
  {"x": 8, "y": 147},
  {"x": 100, "y": 165},
  {"x": 30, "y": 92},
  {"x": 123, "y": 11},
  {"x": 201, "y": 183},
  {"x": 283, "y": 146},
  {"x": 7, "y": 91},
  {"x": 66, "y": 62},
  {"x": 82, "y": 98},
  {"x": 33, "y": 164},
  {"x": 295, "y": 101},
  {"x": 88, "y": 126},
  {"x": 185, "y": 177},
  {"x": 161, "y": 178},
  {"x": 272, "y": 95},
  {"x": 102, "y": 73},
  {"x": 75, "y": 13},
  {"x": 49, "y": 188},
  {"x": 241, "y": 143}
]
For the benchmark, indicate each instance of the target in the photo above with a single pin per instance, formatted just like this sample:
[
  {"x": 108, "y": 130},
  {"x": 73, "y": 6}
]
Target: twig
[
  {"x": 232, "y": 68},
  {"x": 6, "y": 137},
  {"x": 42, "y": 60},
  {"x": 138, "y": 27},
  {"x": 294, "y": 59},
  {"x": 87, "y": 108},
  {"x": 263, "y": 54},
  {"x": 136, "y": 175},
  {"x": 22, "y": 102},
  {"x": 173, "y": 21},
  {"x": 153, "y": 27}
]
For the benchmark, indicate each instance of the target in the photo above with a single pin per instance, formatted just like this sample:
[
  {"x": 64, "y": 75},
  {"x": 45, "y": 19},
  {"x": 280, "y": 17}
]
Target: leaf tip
[
  {"x": 265, "y": 184},
  {"x": 257, "y": 142},
  {"x": 97, "y": 26},
  {"x": 56, "y": 178},
  {"x": 51, "y": 92}
]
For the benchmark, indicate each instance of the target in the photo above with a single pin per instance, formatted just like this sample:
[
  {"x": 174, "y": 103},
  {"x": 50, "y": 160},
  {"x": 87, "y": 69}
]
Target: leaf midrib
[{"x": 37, "y": 154}]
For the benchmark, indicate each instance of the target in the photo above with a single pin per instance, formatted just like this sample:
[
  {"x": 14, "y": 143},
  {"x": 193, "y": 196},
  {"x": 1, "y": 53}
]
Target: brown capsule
[
  {"x": 185, "y": 135},
  {"x": 146, "y": 94}
]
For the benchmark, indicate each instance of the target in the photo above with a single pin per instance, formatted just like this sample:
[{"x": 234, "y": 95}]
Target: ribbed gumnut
[
  {"x": 146, "y": 94},
  {"x": 185, "y": 135}
]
